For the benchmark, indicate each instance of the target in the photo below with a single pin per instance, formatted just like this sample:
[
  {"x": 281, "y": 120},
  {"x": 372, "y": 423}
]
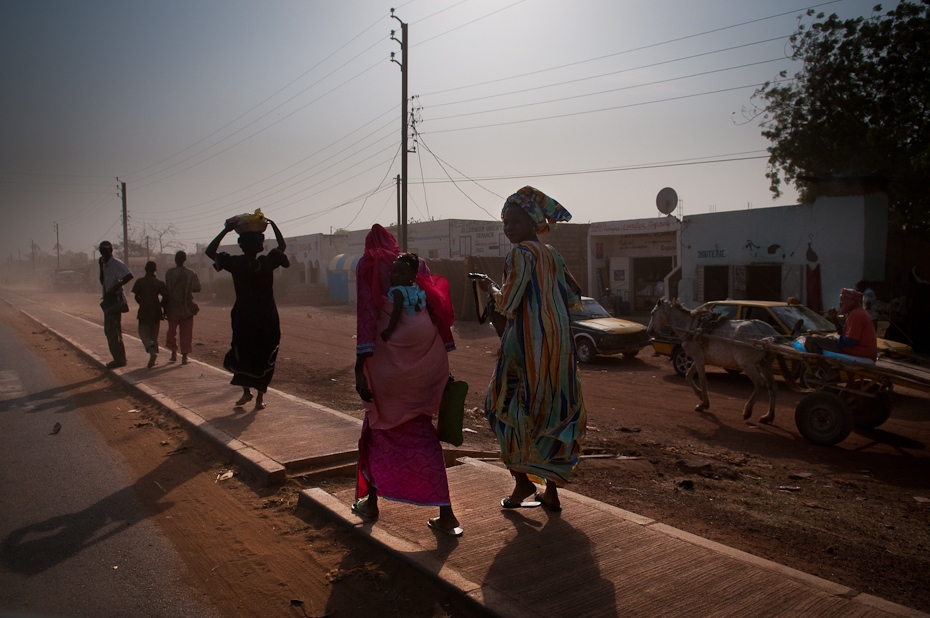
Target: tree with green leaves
[{"x": 859, "y": 107}]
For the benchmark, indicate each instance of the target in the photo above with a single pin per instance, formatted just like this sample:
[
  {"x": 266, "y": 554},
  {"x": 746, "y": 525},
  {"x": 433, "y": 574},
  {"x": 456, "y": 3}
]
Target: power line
[
  {"x": 592, "y": 94},
  {"x": 628, "y": 70},
  {"x": 286, "y": 116},
  {"x": 605, "y": 109},
  {"x": 469, "y": 23},
  {"x": 279, "y": 91},
  {"x": 629, "y": 51}
]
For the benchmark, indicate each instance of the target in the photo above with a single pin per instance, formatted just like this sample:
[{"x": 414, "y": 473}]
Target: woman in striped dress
[{"x": 534, "y": 402}]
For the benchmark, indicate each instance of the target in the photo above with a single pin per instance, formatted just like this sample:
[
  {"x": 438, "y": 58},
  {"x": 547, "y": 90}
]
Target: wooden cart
[{"x": 842, "y": 394}]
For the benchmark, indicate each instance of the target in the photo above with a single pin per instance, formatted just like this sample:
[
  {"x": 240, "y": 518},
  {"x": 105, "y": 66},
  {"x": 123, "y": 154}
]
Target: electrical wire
[
  {"x": 628, "y": 70},
  {"x": 286, "y": 116},
  {"x": 386, "y": 174},
  {"x": 628, "y": 51},
  {"x": 279, "y": 91},
  {"x": 607, "y": 109},
  {"x": 469, "y": 23},
  {"x": 455, "y": 184}
]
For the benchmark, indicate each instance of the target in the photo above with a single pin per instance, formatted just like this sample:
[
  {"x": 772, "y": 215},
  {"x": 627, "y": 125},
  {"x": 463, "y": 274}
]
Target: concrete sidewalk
[{"x": 591, "y": 559}]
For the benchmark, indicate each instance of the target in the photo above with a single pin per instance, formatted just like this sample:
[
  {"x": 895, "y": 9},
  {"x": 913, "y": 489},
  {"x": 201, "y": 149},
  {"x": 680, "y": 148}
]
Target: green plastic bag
[{"x": 452, "y": 412}]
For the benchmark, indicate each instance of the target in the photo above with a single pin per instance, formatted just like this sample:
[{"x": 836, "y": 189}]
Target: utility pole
[
  {"x": 147, "y": 248},
  {"x": 398, "y": 202},
  {"x": 125, "y": 227},
  {"x": 57, "y": 246},
  {"x": 402, "y": 222}
]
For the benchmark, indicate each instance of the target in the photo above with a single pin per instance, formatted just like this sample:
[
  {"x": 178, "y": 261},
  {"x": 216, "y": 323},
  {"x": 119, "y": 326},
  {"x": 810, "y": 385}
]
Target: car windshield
[
  {"x": 789, "y": 315},
  {"x": 592, "y": 309}
]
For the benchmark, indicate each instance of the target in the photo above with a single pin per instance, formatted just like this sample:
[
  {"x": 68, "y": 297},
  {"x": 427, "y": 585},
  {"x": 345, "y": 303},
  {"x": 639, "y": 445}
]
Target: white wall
[{"x": 848, "y": 235}]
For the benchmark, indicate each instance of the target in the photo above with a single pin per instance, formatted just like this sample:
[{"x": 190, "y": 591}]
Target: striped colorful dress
[{"x": 534, "y": 401}]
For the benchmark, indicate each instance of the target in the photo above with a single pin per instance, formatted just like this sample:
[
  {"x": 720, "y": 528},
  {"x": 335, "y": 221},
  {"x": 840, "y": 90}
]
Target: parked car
[
  {"x": 596, "y": 332},
  {"x": 782, "y": 316}
]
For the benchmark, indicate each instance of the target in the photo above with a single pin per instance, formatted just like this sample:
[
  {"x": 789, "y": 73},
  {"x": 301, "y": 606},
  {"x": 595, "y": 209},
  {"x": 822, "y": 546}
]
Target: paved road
[{"x": 74, "y": 540}]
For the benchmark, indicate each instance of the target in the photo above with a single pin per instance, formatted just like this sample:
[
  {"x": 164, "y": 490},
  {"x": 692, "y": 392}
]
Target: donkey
[{"x": 730, "y": 345}]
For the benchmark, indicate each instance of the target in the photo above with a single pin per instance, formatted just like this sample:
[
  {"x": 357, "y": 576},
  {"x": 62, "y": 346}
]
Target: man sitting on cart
[{"x": 857, "y": 336}]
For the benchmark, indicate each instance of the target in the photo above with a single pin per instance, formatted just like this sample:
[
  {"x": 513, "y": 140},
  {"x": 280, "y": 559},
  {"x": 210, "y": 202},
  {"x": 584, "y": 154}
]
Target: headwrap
[
  {"x": 850, "y": 293},
  {"x": 380, "y": 248},
  {"x": 541, "y": 208}
]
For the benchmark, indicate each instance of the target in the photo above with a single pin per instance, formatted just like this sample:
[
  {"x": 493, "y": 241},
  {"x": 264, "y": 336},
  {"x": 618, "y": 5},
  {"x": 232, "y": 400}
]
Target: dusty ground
[
  {"x": 243, "y": 546},
  {"x": 856, "y": 513}
]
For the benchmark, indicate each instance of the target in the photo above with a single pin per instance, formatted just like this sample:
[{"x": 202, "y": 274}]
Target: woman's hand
[{"x": 361, "y": 382}]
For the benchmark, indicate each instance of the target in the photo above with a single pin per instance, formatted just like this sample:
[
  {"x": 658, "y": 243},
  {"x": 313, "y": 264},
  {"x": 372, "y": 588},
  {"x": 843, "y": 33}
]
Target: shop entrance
[
  {"x": 716, "y": 283},
  {"x": 763, "y": 282},
  {"x": 648, "y": 276}
]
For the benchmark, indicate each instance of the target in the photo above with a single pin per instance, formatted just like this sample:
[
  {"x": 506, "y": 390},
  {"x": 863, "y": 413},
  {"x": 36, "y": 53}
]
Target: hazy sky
[{"x": 212, "y": 108}]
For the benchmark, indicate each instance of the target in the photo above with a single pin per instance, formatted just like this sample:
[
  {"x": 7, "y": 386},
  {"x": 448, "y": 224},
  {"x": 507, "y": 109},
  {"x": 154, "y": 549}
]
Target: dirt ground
[
  {"x": 243, "y": 546},
  {"x": 857, "y": 513}
]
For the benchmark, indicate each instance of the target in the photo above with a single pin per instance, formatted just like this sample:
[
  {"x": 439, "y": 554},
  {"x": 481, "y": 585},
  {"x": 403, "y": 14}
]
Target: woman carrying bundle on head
[
  {"x": 534, "y": 402},
  {"x": 402, "y": 367},
  {"x": 255, "y": 326}
]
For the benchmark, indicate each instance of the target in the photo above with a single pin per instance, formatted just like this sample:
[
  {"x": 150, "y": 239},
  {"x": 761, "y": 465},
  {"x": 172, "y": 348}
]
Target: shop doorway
[
  {"x": 763, "y": 282},
  {"x": 716, "y": 283},
  {"x": 648, "y": 280}
]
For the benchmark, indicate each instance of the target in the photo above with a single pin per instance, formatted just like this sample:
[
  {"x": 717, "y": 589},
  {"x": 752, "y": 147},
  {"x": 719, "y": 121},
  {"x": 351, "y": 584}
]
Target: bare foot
[
  {"x": 260, "y": 402},
  {"x": 550, "y": 498},
  {"x": 246, "y": 398},
  {"x": 522, "y": 489}
]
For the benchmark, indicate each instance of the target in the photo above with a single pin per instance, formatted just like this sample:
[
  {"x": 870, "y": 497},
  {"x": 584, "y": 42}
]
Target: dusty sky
[{"x": 212, "y": 108}]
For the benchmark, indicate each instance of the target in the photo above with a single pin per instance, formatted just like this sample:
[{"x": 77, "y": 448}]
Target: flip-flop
[
  {"x": 554, "y": 509},
  {"x": 526, "y": 504},
  {"x": 361, "y": 512},
  {"x": 433, "y": 524}
]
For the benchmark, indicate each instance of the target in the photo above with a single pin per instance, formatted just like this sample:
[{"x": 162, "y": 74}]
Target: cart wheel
[
  {"x": 681, "y": 361},
  {"x": 813, "y": 377},
  {"x": 821, "y": 418},
  {"x": 872, "y": 412}
]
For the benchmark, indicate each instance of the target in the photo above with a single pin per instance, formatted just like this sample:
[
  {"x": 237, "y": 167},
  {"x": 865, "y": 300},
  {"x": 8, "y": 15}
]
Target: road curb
[{"x": 266, "y": 470}]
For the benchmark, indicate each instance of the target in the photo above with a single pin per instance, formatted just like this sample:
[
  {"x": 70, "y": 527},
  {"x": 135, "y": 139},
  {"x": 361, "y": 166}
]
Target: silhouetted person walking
[
  {"x": 113, "y": 276},
  {"x": 182, "y": 282},
  {"x": 152, "y": 296}
]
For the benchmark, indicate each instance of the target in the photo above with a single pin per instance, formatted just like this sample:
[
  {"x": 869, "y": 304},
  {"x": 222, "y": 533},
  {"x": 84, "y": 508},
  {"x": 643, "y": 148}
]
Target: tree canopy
[{"x": 859, "y": 107}]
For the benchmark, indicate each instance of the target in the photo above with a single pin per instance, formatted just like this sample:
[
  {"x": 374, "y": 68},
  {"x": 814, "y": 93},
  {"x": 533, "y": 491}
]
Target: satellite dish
[{"x": 667, "y": 201}]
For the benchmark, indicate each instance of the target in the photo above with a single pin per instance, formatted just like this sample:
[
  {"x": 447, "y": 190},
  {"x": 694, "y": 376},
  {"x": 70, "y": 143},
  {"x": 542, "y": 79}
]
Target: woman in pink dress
[{"x": 401, "y": 381}]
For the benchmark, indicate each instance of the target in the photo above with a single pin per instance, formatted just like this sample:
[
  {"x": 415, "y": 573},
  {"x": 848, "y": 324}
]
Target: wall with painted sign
[{"x": 785, "y": 250}]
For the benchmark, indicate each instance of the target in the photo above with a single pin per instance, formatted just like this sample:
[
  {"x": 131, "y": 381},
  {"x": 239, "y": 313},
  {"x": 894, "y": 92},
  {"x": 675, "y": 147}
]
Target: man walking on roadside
[
  {"x": 182, "y": 282},
  {"x": 113, "y": 276},
  {"x": 152, "y": 296}
]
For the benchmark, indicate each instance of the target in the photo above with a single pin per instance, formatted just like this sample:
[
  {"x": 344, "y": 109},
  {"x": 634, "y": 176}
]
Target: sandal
[
  {"x": 507, "y": 503},
  {"x": 433, "y": 524},
  {"x": 360, "y": 508}
]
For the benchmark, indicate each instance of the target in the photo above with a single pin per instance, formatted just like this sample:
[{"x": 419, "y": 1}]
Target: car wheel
[
  {"x": 631, "y": 353},
  {"x": 821, "y": 418},
  {"x": 681, "y": 361},
  {"x": 586, "y": 352}
]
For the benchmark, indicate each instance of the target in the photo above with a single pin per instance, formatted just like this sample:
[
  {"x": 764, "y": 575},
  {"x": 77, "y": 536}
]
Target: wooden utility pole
[
  {"x": 398, "y": 202},
  {"x": 125, "y": 228},
  {"x": 57, "y": 246},
  {"x": 402, "y": 222}
]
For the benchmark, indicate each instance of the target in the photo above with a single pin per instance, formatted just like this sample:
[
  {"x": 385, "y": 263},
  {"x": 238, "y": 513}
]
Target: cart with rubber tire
[{"x": 842, "y": 394}]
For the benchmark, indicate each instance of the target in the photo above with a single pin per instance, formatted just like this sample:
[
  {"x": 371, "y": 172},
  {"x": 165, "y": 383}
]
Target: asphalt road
[{"x": 74, "y": 540}]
